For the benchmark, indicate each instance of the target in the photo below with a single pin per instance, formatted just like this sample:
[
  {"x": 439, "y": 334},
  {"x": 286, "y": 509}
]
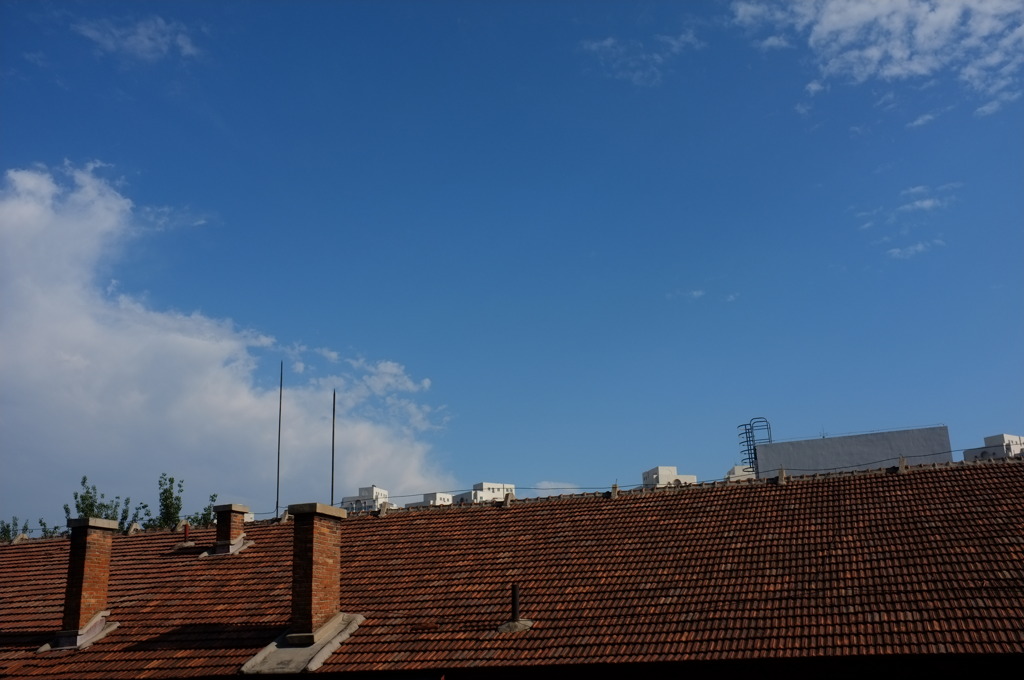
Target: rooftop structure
[
  {"x": 429, "y": 499},
  {"x": 666, "y": 475},
  {"x": 485, "y": 491},
  {"x": 370, "y": 498},
  {"x": 854, "y": 452},
  {"x": 899, "y": 569},
  {"x": 997, "y": 446},
  {"x": 740, "y": 472}
]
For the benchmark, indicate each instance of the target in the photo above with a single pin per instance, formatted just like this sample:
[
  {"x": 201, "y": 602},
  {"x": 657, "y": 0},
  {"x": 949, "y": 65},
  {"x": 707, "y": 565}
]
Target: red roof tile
[{"x": 930, "y": 561}]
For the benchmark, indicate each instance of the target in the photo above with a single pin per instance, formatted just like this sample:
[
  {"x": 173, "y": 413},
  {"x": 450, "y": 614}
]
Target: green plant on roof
[
  {"x": 170, "y": 504},
  {"x": 169, "y": 501},
  {"x": 89, "y": 502},
  {"x": 46, "y": 531},
  {"x": 206, "y": 516},
  {"x": 9, "y": 531}
]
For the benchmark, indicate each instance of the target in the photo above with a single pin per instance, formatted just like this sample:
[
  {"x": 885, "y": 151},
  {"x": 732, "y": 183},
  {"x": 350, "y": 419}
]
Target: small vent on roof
[{"x": 516, "y": 623}]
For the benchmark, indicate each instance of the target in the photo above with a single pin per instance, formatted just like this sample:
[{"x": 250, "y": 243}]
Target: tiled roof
[{"x": 927, "y": 561}]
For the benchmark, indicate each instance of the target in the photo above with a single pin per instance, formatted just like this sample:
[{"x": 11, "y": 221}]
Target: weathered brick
[{"x": 85, "y": 594}]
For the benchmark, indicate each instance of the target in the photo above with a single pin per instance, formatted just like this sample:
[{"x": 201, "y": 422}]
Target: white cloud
[
  {"x": 675, "y": 44},
  {"x": 98, "y": 383},
  {"x": 980, "y": 42},
  {"x": 694, "y": 294},
  {"x": 996, "y": 104},
  {"x": 921, "y": 120},
  {"x": 913, "y": 250},
  {"x": 774, "y": 42},
  {"x": 887, "y": 101},
  {"x": 926, "y": 118},
  {"x": 35, "y": 58},
  {"x": 328, "y": 354},
  {"x": 814, "y": 87},
  {"x": 921, "y": 204},
  {"x": 989, "y": 108},
  {"x": 918, "y": 202},
  {"x": 163, "y": 217},
  {"x": 149, "y": 39},
  {"x": 387, "y": 376},
  {"x": 919, "y": 189},
  {"x": 908, "y": 252},
  {"x": 639, "y": 63}
]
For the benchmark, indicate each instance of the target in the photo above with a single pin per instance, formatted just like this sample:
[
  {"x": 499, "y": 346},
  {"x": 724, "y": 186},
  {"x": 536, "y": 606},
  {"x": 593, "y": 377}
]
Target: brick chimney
[
  {"x": 230, "y": 528},
  {"x": 85, "y": 596},
  {"x": 316, "y": 568}
]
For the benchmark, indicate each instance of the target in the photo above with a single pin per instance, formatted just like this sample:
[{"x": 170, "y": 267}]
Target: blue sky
[{"x": 552, "y": 244}]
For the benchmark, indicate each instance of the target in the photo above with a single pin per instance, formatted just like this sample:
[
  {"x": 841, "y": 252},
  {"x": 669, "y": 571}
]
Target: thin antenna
[
  {"x": 334, "y": 413},
  {"x": 280, "y": 406}
]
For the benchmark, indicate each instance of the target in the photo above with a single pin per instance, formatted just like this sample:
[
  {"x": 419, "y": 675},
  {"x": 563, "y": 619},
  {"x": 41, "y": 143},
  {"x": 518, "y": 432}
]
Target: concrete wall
[{"x": 855, "y": 452}]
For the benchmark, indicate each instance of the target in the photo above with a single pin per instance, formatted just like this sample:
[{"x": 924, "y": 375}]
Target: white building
[
  {"x": 738, "y": 472},
  {"x": 438, "y": 498},
  {"x": 485, "y": 491},
  {"x": 997, "y": 446},
  {"x": 370, "y": 498},
  {"x": 666, "y": 475}
]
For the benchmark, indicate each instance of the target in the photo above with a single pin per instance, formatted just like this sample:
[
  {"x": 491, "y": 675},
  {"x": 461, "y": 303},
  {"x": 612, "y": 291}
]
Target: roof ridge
[{"x": 689, "y": 488}]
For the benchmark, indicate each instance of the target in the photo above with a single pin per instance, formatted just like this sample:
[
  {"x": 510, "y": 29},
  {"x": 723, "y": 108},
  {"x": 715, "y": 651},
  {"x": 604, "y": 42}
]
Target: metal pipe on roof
[
  {"x": 280, "y": 407},
  {"x": 334, "y": 413}
]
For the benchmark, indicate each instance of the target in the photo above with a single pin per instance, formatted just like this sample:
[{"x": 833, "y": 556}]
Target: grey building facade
[{"x": 854, "y": 452}]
